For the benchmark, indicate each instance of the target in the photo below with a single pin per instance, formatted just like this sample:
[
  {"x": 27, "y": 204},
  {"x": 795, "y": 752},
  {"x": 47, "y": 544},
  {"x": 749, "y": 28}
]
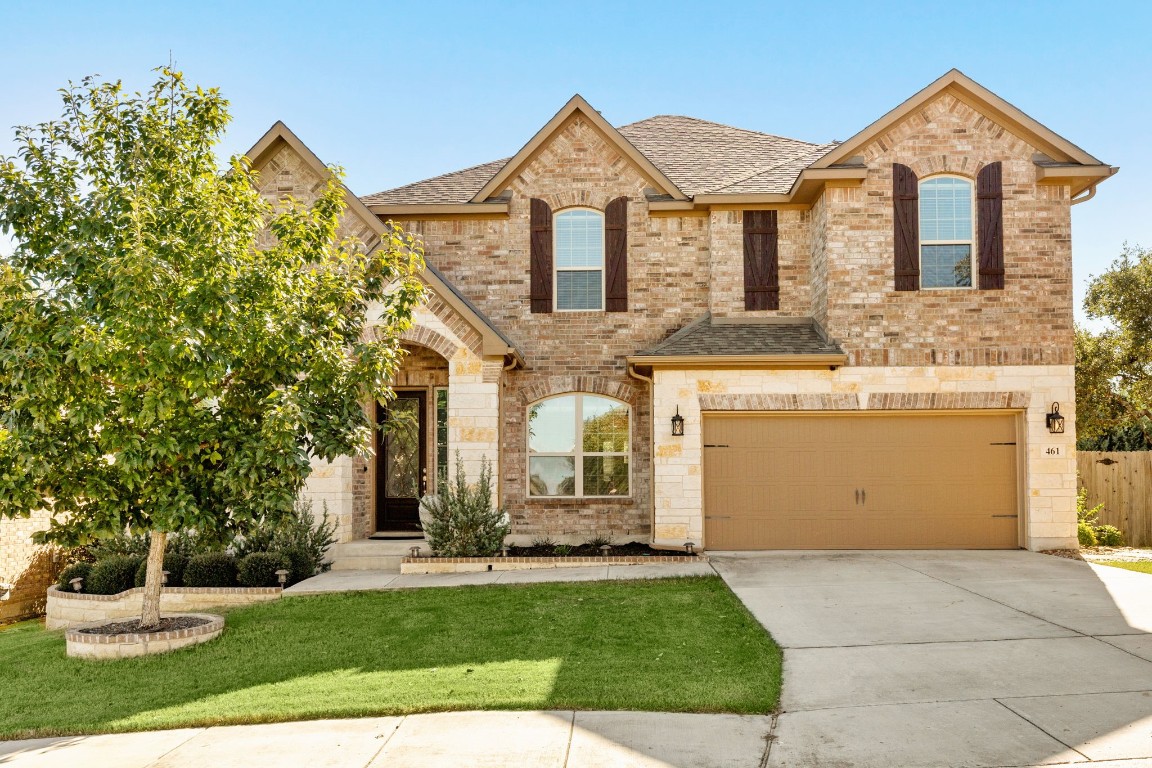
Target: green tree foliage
[
  {"x": 1114, "y": 367},
  {"x": 164, "y": 365}
]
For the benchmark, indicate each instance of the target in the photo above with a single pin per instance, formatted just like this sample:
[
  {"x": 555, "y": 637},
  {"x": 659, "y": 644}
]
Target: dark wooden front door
[{"x": 401, "y": 474}]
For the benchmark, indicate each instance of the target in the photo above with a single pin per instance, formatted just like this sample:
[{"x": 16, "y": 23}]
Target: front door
[{"x": 401, "y": 474}]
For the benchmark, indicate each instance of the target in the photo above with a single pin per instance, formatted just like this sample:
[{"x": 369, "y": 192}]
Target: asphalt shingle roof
[
  {"x": 699, "y": 157},
  {"x": 703, "y": 337}
]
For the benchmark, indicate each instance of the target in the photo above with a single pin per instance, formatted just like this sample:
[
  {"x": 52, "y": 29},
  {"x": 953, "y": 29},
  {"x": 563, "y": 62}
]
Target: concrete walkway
[
  {"x": 953, "y": 658},
  {"x": 349, "y": 581},
  {"x": 448, "y": 740}
]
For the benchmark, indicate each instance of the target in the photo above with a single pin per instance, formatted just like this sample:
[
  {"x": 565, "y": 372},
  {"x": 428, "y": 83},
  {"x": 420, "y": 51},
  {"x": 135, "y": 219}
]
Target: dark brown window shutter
[
  {"x": 761, "y": 260},
  {"x": 616, "y": 255},
  {"x": 990, "y": 226},
  {"x": 906, "y": 232},
  {"x": 541, "y": 258}
]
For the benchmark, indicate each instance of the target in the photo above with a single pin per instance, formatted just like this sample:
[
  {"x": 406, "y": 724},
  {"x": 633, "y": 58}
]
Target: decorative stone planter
[
  {"x": 71, "y": 609},
  {"x": 89, "y": 646},
  {"x": 478, "y": 564}
]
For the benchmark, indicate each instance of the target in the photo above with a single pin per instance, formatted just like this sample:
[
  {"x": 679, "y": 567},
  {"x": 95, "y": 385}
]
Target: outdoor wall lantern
[
  {"x": 677, "y": 424},
  {"x": 1055, "y": 421}
]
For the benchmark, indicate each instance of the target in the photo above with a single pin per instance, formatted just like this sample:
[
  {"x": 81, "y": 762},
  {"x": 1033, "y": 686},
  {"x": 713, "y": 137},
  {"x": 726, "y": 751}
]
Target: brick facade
[
  {"x": 927, "y": 349},
  {"x": 26, "y": 569}
]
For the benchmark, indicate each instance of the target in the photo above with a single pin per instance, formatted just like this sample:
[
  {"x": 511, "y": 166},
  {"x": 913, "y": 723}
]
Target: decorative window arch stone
[{"x": 593, "y": 385}]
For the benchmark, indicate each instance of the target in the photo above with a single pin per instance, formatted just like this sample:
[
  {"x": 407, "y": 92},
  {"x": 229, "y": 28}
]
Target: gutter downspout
[{"x": 633, "y": 373}]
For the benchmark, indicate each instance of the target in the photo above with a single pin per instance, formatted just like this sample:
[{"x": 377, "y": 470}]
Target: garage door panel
[{"x": 817, "y": 481}]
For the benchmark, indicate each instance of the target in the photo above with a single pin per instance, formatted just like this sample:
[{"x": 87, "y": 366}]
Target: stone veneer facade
[
  {"x": 835, "y": 267},
  {"x": 1048, "y": 483}
]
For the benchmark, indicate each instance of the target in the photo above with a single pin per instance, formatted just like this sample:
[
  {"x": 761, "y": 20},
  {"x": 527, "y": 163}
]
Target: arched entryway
[{"x": 412, "y": 448}]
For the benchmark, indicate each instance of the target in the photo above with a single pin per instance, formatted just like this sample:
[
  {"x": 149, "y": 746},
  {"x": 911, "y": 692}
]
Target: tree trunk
[{"x": 150, "y": 616}]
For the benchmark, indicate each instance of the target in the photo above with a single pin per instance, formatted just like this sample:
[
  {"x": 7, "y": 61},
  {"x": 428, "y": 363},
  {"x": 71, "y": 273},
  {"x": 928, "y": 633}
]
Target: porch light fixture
[
  {"x": 1055, "y": 421},
  {"x": 677, "y": 424},
  {"x": 282, "y": 577}
]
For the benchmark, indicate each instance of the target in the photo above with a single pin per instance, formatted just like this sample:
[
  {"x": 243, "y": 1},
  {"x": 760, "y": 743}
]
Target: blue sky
[{"x": 397, "y": 92}]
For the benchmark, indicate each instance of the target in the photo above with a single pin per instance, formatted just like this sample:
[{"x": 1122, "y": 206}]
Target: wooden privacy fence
[{"x": 1122, "y": 482}]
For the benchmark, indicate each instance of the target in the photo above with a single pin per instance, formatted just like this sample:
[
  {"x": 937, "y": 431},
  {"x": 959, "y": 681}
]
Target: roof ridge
[
  {"x": 720, "y": 125},
  {"x": 502, "y": 161}
]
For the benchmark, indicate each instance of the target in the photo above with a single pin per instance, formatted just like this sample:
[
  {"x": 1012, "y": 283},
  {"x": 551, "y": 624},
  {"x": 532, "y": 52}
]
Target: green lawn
[
  {"x": 1143, "y": 566},
  {"x": 679, "y": 645}
]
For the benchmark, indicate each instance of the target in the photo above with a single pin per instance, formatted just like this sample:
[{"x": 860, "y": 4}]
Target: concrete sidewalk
[
  {"x": 349, "y": 581},
  {"x": 448, "y": 740}
]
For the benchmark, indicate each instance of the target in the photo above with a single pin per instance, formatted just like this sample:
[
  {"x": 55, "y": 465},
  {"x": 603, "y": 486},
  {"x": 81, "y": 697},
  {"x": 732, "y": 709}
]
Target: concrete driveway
[{"x": 953, "y": 658}]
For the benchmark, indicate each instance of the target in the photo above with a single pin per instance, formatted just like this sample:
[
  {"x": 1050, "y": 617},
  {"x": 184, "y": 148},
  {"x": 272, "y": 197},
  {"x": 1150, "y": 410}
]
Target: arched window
[
  {"x": 946, "y": 232},
  {"x": 579, "y": 249},
  {"x": 578, "y": 445}
]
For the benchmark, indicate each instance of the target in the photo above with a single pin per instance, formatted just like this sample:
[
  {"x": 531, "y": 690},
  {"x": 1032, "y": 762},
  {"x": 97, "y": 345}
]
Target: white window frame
[
  {"x": 971, "y": 242},
  {"x": 578, "y": 452},
  {"x": 557, "y": 269}
]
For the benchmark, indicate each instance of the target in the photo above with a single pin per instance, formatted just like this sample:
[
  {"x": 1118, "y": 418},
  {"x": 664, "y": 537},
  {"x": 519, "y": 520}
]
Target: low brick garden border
[
  {"x": 69, "y": 609},
  {"x": 478, "y": 564},
  {"x": 91, "y": 646}
]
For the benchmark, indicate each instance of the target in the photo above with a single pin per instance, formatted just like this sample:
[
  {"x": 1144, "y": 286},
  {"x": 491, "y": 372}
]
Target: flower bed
[
  {"x": 476, "y": 564},
  {"x": 69, "y": 609},
  {"x": 88, "y": 642}
]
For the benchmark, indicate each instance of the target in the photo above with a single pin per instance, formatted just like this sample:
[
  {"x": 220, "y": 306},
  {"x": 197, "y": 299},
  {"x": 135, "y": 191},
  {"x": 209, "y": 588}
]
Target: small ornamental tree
[{"x": 158, "y": 370}]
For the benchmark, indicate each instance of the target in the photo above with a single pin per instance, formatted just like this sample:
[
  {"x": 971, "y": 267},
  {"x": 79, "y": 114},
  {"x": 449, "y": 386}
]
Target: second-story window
[
  {"x": 946, "y": 232},
  {"x": 579, "y": 249}
]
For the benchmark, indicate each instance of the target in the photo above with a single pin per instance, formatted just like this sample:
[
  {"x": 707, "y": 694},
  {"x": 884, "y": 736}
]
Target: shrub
[
  {"x": 300, "y": 564},
  {"x": 112, "y": 574},
  {"x": 1108, "y": 536},
  {"x": 1085, "y": 534},
  {"x": 562, "y": 550},
  {"x": 259, "y": 569},
  {"x": 298, "y": 532},
  {"x": 174, "y": 563},
  {"x": 211, "y": 569},
  {"x": 461, "y": 521},
  {"x": 134, "y": 545},
  {"x": 598, "y": 541},
  {"x": 75, "y": 571},
  {"x": 1089, "y": 528},
  {"x": 544, "y": 542}
]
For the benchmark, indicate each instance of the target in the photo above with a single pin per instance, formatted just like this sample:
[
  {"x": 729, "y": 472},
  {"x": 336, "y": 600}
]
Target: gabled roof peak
[{"x": 578, "y": 104}]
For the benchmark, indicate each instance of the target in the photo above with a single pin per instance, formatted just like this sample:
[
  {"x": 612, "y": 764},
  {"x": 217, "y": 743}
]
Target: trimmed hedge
[
  {"x": 259, "y": 569},
  {"x": 300, "y": 564},
  {"x": 74, "y": 571},
  {"x": 112, "y": 575},
  {"x": 174, "y": 563},
  {"x": 211, "y": 569}
]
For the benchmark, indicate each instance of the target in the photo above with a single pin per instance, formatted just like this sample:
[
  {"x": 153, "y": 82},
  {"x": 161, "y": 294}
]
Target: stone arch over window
[
  {"x": 597, "y": 385},
  {"x": 578, "y": 198}
]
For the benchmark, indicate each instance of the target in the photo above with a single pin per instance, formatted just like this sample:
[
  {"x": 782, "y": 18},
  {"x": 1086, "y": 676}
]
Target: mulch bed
[
  {"x": 631, "y": 549},
  {"x": 167, "y": 624}
]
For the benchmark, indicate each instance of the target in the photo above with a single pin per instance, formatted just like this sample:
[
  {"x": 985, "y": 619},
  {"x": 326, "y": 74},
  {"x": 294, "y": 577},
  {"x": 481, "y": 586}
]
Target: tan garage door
[{"x": 856, "y": 481}]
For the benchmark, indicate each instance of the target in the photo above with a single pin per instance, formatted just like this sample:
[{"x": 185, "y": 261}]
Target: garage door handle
[
  {"x": 863, "y": 496},
  {"x": 857, "y": 495},
  {"x": 717, "y": 517},
  {"x": 1005, "y": 515}
]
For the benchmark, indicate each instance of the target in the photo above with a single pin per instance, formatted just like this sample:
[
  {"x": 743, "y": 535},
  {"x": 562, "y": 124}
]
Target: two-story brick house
[{"x": 679, "y": 331}]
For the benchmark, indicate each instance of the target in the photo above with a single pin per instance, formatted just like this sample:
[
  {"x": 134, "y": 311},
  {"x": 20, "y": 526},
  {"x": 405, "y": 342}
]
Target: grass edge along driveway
[
  {"x": 1140, "y": 566},
  {"x": 675, "y": 645}
]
